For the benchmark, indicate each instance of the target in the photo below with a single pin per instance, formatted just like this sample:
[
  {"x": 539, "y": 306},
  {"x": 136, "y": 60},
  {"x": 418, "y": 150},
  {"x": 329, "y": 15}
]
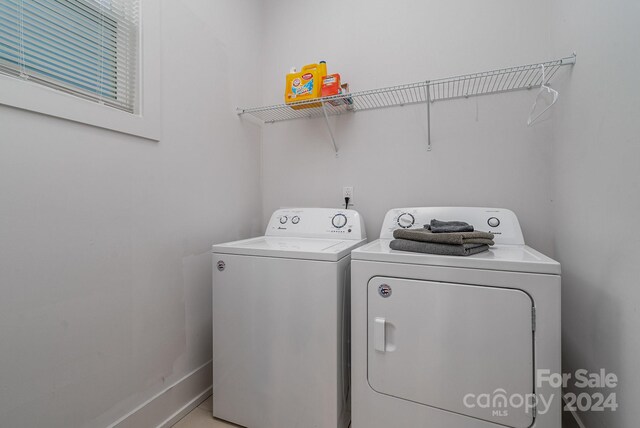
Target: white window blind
[{"x": 83, "y": 47}]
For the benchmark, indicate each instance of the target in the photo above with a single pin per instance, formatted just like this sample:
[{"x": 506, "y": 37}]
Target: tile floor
[{"x": 201, "y": 417}]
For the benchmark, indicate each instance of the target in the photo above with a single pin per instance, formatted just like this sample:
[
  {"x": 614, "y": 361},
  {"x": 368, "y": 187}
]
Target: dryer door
[{"x": 460, "y": 348}]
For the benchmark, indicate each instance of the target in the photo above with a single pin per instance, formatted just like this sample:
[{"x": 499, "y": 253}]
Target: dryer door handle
[{"x": 379, "y": 339}]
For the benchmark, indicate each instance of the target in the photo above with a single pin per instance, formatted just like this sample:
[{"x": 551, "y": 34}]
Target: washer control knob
[
  {"x": 406, "y": 220},
  {"x": 493, "y": 222},
  {"x": 295, "y": 220},
  {"x": 283, "y": 219},
  {"x": 339, "y": 221}
]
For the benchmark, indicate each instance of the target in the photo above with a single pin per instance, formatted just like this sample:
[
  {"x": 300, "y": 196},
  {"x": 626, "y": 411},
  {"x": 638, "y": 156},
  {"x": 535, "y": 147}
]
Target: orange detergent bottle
[{"x": 305, "y": 85}]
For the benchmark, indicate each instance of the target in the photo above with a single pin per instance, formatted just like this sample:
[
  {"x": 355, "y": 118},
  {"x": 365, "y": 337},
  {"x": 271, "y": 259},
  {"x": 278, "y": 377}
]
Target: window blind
[{"x": 88, "y": 48}]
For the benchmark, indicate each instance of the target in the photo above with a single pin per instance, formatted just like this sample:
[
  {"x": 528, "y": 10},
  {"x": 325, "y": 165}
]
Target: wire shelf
[
  {"x": 464, "y": 86},
  {"x": 496, "y": 81}
]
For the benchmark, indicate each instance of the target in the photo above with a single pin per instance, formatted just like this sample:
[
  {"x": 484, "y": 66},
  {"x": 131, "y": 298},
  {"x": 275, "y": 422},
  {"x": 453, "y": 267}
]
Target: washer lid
[
  {"x": 513, "y": 258},
  {"x": 290, "y": 247}
]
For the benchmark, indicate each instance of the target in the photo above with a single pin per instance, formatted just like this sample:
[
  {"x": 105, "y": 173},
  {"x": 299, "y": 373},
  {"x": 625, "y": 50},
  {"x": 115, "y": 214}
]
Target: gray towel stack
[{"x": 444, "y": 238}]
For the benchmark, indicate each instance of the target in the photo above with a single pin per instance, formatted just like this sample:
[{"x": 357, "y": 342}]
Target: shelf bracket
[
  {"x": 428, "y": 116},
  {"x": 326, "y": 121}
]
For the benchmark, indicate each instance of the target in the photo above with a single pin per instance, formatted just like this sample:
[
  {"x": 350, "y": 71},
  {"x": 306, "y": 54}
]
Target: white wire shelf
[{"x": 468, "y": 85}]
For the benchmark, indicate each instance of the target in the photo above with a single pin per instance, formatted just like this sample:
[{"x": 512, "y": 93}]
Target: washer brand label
[
  {"x": 221, "y": 265},
  {"x": 384, "y": 290}
]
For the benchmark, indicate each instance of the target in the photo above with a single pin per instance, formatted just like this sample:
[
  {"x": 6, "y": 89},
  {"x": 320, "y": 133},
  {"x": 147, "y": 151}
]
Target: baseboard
[
  {"x": 172, "y": 403},
  {"x": 184, "y": 411}
]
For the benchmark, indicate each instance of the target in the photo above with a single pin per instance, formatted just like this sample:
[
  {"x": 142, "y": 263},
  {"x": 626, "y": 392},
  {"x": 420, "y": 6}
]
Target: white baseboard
[
  {"x": 172, "y": 403},
  {"x": 184, "y": 411}
]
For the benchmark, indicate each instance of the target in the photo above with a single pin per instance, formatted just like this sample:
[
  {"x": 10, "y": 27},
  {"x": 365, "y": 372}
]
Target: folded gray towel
[
  {"x": 459, "y": 238},
  {"x": 441, "y": 249},
  {"x": 437, "y": 226}
]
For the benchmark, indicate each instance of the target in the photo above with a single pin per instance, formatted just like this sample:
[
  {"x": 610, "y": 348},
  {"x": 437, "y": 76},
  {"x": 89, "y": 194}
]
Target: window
[{"x": 88, "y": 48}]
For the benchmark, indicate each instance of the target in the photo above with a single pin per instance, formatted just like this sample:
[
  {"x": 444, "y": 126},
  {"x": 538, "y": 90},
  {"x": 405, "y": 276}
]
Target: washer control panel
[
  {"x": 501, "y": 222},
  {"x": 316, "y": 223}
]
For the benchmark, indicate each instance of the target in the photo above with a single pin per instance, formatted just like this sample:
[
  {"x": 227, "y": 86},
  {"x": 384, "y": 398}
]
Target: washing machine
[
  {"x": 281, "y": 321},
  {"x": 455, "y": 342}
]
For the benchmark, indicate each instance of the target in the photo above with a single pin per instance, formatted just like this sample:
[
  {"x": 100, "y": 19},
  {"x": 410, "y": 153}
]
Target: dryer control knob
[
  {"x": 493, "y": 222},
  {"x": 283, "y": 219},
  {"x": 339, "y": 221},
  {"x": 406, "y": 220},
  {"x": 295, "y": 220}
]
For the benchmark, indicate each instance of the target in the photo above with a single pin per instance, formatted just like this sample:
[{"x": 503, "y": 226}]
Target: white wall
[
  {"x": 597, "y": 197},
  {"x": 572, "y": 179},
  {"x": 483, "y": 153},
  {"x": 105, "y": 238}
]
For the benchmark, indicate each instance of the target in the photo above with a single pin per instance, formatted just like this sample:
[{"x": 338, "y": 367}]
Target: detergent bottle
[{"x": 305, "y": 85}]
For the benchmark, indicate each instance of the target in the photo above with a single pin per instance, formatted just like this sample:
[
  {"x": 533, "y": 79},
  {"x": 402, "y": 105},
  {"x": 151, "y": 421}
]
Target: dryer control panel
[
  {"x": 316, "y": 223},
  {"x": 501, "y": 222}
]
